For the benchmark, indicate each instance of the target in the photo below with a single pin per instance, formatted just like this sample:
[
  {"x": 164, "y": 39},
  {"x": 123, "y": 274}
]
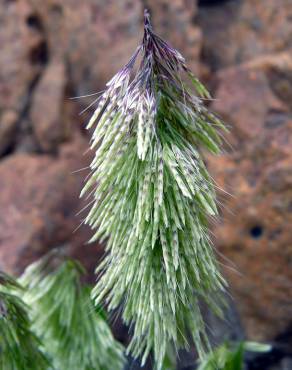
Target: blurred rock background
[{"x": 51, "y": 50}]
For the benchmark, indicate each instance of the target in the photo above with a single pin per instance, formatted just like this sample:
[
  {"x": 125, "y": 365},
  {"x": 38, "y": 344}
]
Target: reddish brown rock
[
  {"x": 8, "y": 124},
  {"x": 255, "y": 229},
  {"x": 18, "y": 41},
  {"x": 96, "y": 38},
  {"x": 239, "y": 31},
  {"x": 20, "y": 64},
  {"x": 46, "y": 107},
  {"x": 39, "y": 200}
]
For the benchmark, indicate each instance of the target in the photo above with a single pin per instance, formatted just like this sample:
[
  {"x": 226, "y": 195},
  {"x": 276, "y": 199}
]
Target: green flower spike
[
  {"x": 19, "y": 346},
  {"x": 152, "y": 196},
  {"x": 72, "y": 332}
]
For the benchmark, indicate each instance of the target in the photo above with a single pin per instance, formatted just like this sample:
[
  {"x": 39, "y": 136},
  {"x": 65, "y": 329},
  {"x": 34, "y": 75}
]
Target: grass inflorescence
[
  {"x": 19, "y": 345},
  {"x": 72, "y": 332},
  {"x": 152, "y": 197}
]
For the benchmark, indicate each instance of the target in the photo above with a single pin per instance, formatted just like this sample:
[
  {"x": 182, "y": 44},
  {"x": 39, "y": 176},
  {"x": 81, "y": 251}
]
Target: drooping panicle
[{"x": 151, "y": 198}]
